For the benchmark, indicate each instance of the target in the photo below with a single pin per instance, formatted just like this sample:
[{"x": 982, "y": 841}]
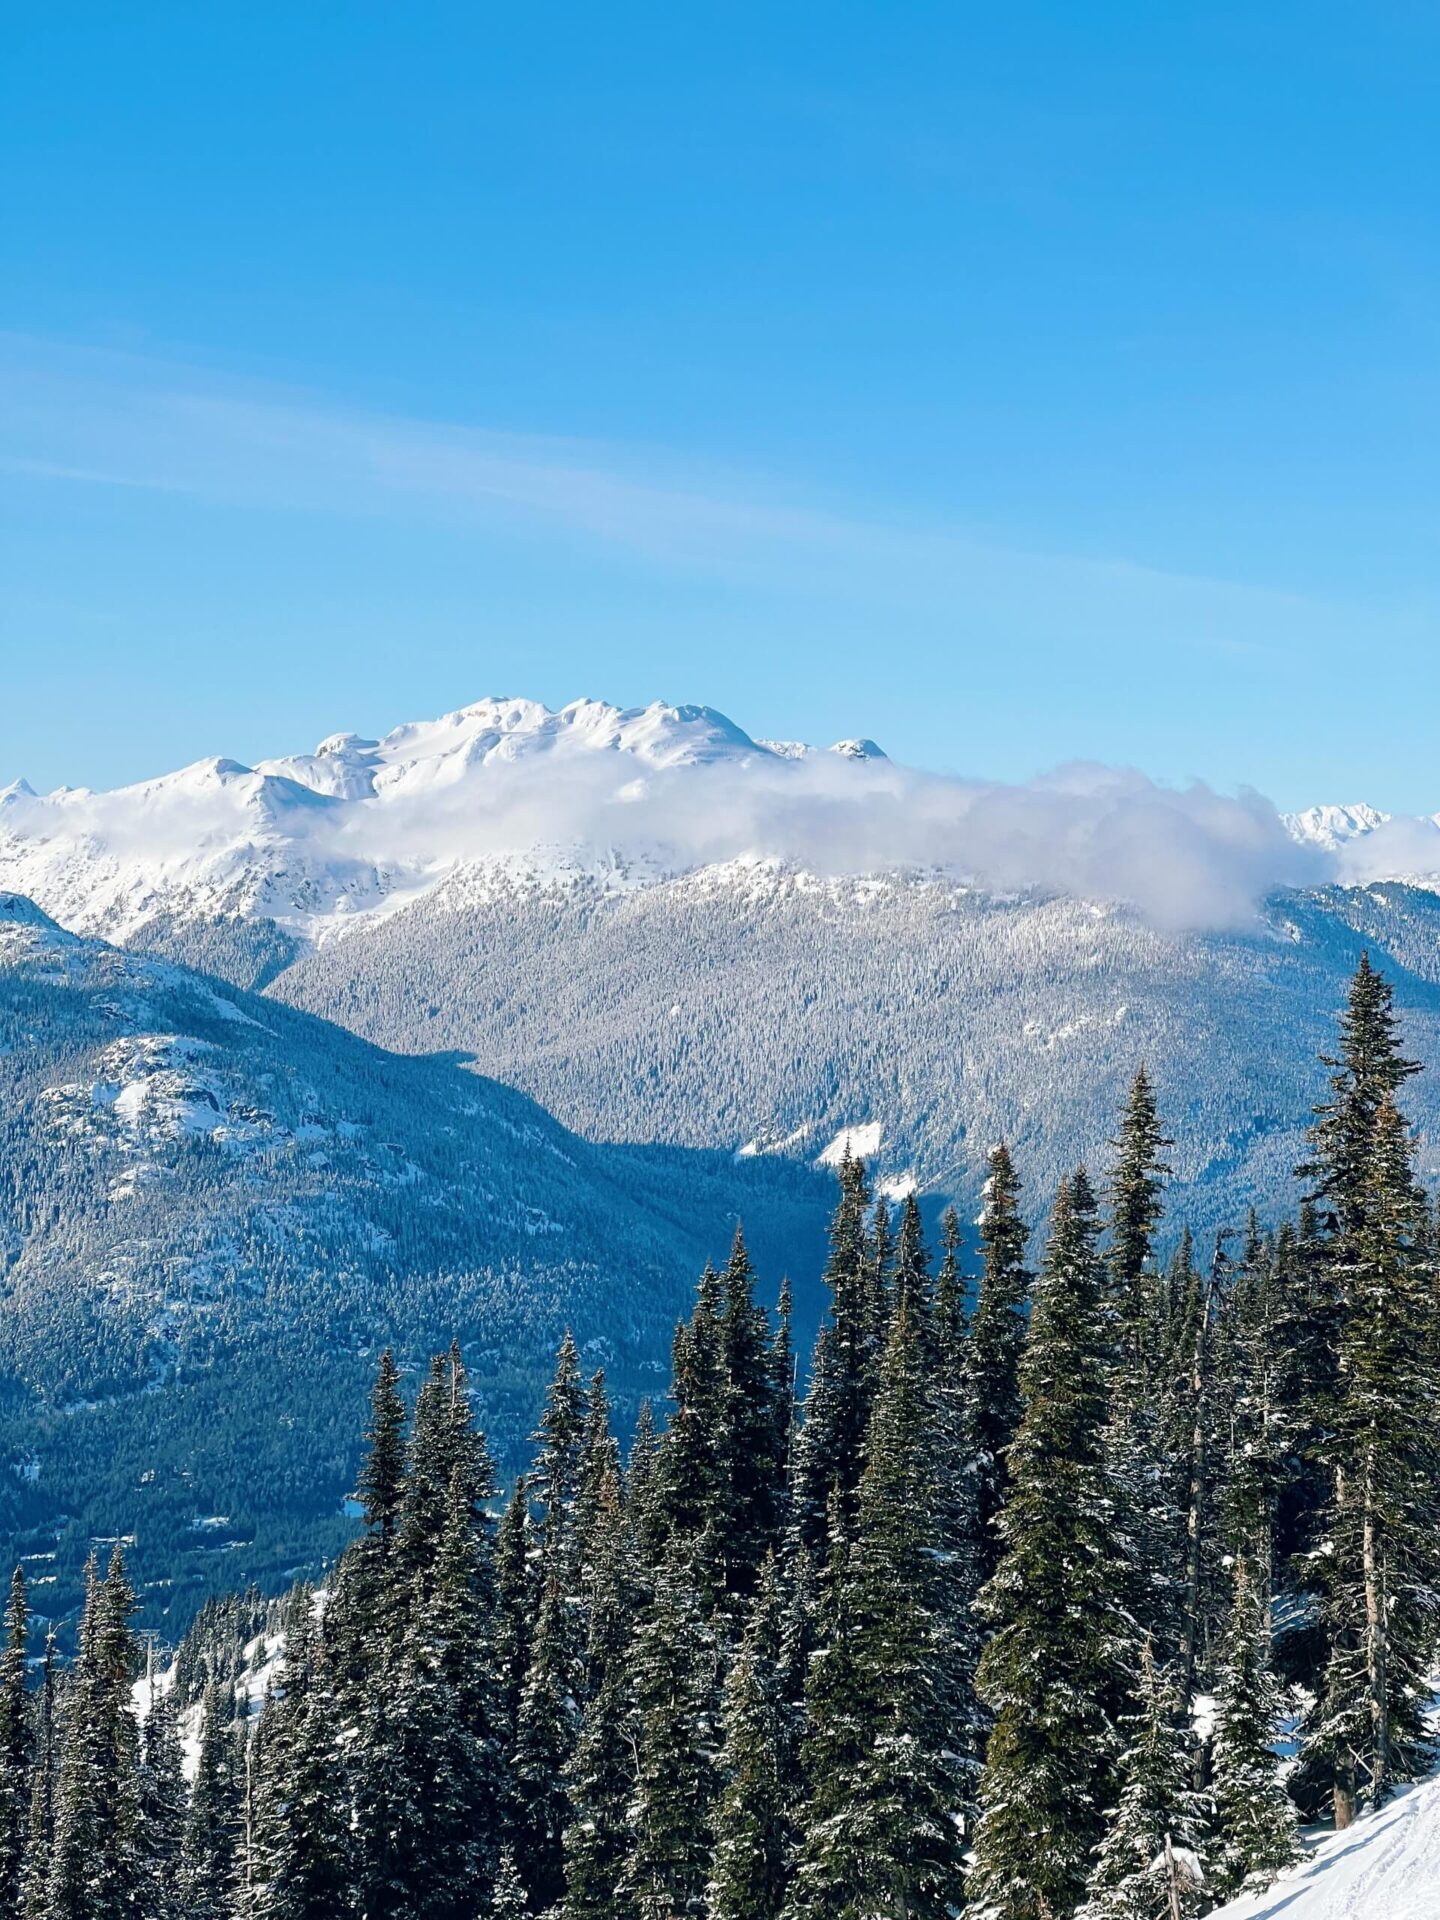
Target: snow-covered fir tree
[
  {"x": 1256, "y": 1830},
  {"x": 1055, "y": 1672},
  {"x": 1151, "y": 1863}
]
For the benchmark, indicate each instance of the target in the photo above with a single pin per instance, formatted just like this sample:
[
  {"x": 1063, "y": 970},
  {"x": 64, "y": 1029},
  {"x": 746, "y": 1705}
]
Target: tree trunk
[
  {"x": 1172, "y": 1874},
  {"x": 1344, "y": 1798},
  {"x": 1377, "y": 1636}
]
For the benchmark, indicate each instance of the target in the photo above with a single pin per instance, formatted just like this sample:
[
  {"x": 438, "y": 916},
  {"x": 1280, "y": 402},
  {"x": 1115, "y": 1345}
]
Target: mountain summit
[{"x": 316, "y": 842}]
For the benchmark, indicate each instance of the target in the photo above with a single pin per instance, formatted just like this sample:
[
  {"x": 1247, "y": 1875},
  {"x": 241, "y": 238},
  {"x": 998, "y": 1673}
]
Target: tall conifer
[{"x": 1055, "y": 1671}]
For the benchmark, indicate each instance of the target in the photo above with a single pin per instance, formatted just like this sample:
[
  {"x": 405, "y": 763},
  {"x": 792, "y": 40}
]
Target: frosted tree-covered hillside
[{"x": 212, "y": 1209}]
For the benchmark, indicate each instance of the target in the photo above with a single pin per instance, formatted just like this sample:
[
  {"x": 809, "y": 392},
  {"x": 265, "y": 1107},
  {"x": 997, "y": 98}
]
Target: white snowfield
[{"x": 1385, "y": 1867}]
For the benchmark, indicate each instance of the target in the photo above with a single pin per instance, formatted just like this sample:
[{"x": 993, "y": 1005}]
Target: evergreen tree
[
  {"x": 1256, "y": 1820},
  {"x": 547, "y": 1726},
  {"x": 1054, "y": 1672},
  {"x": 1382, "y": 1573},
  {"x": 15, "y": 1749},
  {"x": 212, "y": 1830},
  {"x": 782, "y": 1371},
  {"x": 507, "y": 1902},
  {"x": 643, "y": 1505},
  {"x": 1150, "y": 1865},
  {"x": 423, "y": 1490},
  {"x": 41, "y": 1825},
  {"x": 599, "y": 1837},
  {"x": 750, "y": 1463},
  {"x": 423, "y": 1789},
  {"x": 302, "y": 1854},
  {"x": 599, "y": 1482},
  {"x": 675, "y": 1672},
  {"x": 753, "y": 1835},
  {"x": 381, "y": 1486},
  {"x": 555, "y": 1477},
  {"x": 1134, "y": 1446},
  {"x": 447, "y": 1462},
  {"x": 690, "y": 1483},
  {"x": 1136, "y": 1206},
  {"x": 162, "y": 1812},
  {"x": 93, "y": 1863},
  {"x": 882, "y": 1826},
  {"x": 837, "y": 1407},
  {"x": 1195, "y": 1412},
  {"x": 992, "y": 1362},
  {"x": 516, "y": 1605}
]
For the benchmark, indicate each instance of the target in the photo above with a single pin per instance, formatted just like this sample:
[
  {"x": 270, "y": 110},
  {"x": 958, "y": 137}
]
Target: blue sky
[{"x": 1012, "y": 384}]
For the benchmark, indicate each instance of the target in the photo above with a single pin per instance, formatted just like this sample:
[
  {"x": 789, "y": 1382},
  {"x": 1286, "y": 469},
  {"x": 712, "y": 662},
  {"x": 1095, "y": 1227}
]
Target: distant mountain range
[
  {"x": 316, "y": 842},
  {"x": 669, "y": 931}
]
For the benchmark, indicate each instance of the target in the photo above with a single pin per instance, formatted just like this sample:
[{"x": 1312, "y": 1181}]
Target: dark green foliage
[
  {"x": 93, "y": 1860},
  {"x": 516, "y": 1604},
  {"x": 1256, "y": 1830},
  {"x": 301, "y": 1864},
  {"x": 992, "y": 1361},
  {"x": 381, "y": 1486},
  {"x": 635, "y": 1698},
  {"x": 211, "y": 1855},
  {"x": 1380, "y": 1573},
  {"x": 675, "y": 1668},
  {"x": 160, "y": 1838},
  {"x": 1055, "y": 1671},
  {"x": 1151, "y": 1863},
  {"x": 751, "y": 1434},
  {"x": 881, "y": 1828},
  {"x": 16, "y": 1745},
  {"x": 547, "y": 1726},
  {"x": 754, "y": 1814},
  {"x": 601, "y": 1781},
  {"x": 842, "y": 1377}
]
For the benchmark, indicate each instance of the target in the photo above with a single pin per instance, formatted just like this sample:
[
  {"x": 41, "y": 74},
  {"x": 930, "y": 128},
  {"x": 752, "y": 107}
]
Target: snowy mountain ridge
[
  {"x": 508, "y": 789},
  {"x": 508, "y": 793}
]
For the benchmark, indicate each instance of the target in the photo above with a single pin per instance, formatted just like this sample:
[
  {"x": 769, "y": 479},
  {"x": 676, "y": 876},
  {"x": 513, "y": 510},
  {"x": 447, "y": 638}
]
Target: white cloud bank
[{"x": 362, "y": 825}]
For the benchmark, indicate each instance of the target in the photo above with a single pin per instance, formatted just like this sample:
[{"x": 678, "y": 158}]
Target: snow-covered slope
[
  {"x": 1385, "y": 1867},
  {"x": 666, "y": 929}
]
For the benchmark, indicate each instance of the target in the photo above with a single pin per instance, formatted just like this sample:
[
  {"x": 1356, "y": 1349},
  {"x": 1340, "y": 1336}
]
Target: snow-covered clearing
[{"x": 1385, "y": 1867}]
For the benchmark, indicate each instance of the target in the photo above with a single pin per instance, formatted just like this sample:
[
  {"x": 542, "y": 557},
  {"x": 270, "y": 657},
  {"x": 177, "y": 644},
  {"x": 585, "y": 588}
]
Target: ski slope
[{"x": 1385, "y": 1867}]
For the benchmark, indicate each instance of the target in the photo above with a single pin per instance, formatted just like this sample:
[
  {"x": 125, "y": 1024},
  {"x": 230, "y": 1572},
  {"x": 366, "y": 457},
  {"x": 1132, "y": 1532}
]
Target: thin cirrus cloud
[{"x": 101, "y": 418}]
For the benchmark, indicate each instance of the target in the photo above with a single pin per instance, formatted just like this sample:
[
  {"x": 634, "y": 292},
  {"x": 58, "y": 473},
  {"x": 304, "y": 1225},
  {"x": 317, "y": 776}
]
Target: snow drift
[{"x": 1385, "y": 1867}]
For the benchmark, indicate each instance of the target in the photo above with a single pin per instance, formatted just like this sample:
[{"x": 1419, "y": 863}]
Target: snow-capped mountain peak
[
  {"x": 319, "y": 840},
  {"x": 1332, "y": 827}
]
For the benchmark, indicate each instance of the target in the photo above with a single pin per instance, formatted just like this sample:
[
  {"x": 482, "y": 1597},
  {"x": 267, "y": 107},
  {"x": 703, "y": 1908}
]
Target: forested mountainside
[
  {"x": 1069, "y": 1591},
  {"x": 214, "y": 1209},
  {"x": 764, "y": 1008}
]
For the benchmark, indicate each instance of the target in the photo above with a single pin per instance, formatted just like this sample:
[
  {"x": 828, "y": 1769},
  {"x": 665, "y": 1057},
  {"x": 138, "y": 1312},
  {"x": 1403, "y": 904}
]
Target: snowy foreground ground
[{"x": 1385, "y": 1867}]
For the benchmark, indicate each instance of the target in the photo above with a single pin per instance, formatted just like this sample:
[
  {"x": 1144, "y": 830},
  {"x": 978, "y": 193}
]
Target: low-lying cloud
[
  {"x": 1398, "y": 849},
  {"x": 1182, "y": 857}
]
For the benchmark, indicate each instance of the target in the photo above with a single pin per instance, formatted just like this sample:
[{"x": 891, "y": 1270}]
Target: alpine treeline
[{"x": 1067, "y": 1590}]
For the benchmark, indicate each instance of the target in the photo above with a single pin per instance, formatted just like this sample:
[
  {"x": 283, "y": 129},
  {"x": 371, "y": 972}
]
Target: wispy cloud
[{"x": 98, "y": 418}]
